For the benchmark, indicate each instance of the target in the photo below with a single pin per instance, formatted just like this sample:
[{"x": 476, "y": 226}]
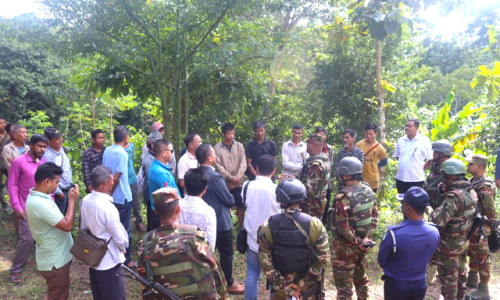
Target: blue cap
[{"x": 416, "y": 197}]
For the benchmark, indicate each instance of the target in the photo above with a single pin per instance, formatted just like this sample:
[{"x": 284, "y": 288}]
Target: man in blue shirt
[
  {"x": 116, "y": 159},
  {"x": 407, "y": 248},
  {"x": 160, "y": 175}
]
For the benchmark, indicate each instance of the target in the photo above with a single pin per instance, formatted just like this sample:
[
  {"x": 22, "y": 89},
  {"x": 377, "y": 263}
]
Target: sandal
[{"x": 15, "y": 278}]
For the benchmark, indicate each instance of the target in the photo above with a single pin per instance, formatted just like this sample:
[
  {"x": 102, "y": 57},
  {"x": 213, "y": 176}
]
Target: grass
[{"x": 33, "y": 285}]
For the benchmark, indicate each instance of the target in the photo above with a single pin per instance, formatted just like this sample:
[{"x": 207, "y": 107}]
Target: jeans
[
  {"x": 124, "y": 210},
  {"x": 404, "y": 290},
  {"x": 253, "y": 274}
]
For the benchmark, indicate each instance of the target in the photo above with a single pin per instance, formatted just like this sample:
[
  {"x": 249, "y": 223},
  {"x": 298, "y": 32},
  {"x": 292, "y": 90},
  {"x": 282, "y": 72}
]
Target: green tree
[{"x": 149, "y": 46}]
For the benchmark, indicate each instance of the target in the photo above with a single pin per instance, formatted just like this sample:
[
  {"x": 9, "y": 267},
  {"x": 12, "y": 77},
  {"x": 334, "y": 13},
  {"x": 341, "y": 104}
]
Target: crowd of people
[{"x": 285, "y": 216}]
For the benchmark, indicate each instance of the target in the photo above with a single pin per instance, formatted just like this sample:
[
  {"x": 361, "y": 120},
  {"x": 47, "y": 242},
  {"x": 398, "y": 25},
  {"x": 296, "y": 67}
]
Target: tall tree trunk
[
  {"x": 380, "y": 92},
  {"x": 381, "y": 114}
]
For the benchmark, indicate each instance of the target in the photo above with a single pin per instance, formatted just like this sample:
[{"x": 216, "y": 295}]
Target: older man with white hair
[{"x": 100, "y": 216}]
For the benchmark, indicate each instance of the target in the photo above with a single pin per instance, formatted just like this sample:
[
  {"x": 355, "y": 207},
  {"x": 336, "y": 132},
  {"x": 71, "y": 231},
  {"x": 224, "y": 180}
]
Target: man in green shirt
[{"x": 51, "y": 230}]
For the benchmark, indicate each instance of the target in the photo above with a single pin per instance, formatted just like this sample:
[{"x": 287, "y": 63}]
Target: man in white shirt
[
  {"x": 100, "y": 216},
  {"x": 293, "y": 152},
  {"x": 412, "y": 150},
  {"x": 259, "y": 196},
  {"x": 188, "y": 160},
  {"x": 194, "y": 210}
]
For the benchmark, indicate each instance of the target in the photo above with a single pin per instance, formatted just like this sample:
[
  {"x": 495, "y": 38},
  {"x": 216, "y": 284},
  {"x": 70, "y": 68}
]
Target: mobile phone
[{"x": 71, "y": 186}]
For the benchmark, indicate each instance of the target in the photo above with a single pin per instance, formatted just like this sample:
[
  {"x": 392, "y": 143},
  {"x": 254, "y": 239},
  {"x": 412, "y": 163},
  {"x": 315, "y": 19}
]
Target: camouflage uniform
[
  {"x": 354, "y": 217},
  {"x": 182, "y": 260},
  {"x": 431, "y": 185},
  {"x": 315, "y": 176},
  {"x": 454, "y": 220},
  {"x": 480, "y": 259},
  {"x": 319, "y": 241}
]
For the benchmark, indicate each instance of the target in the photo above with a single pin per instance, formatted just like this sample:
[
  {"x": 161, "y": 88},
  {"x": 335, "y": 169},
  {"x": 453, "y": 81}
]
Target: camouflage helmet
[
  {"x": 453, "y": 166},
  {"x": 350, "y": 166},
  {"x": 442, "y": 146},
  {"x": 290, "y": 191}
]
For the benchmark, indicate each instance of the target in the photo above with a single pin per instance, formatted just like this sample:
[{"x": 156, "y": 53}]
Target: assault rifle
[{"x": 154, "y": 290}]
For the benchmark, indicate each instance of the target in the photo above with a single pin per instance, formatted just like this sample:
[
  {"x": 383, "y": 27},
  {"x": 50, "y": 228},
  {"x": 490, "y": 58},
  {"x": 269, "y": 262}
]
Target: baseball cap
[
  {"x": 415, "y": 196},
  {"x": 157, "y": 126},
  {"x": 52, "y": 133}
]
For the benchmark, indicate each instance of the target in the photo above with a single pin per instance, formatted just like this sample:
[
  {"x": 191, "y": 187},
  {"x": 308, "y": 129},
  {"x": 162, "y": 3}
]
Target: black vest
[{"x": 292, "y": 251}]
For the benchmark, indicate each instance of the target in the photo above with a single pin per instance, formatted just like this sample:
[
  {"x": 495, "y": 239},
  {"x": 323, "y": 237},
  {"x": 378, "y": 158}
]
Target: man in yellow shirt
[{"x": 375, "y": 156}]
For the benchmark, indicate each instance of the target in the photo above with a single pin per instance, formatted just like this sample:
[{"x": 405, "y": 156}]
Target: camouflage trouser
[
  {"x": 452, "y": 275},
  {"x": 479, "y": 258},
  {"x": 313, "y": 207},
  {"x": 349, "y": 266}
]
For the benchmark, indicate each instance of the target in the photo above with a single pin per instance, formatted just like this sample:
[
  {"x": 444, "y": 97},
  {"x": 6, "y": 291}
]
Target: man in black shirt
[{"x": 257, "y": 147}]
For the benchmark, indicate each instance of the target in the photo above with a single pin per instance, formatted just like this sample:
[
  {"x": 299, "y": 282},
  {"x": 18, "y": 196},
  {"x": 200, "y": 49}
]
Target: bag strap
[
  {"x": 301, "y": 229},
  {"x": 80, "y": 224},
  {"x": 372, "y": 148}
]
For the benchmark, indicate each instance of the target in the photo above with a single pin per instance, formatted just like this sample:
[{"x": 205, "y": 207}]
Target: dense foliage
[{"x": 197, "y": 64}]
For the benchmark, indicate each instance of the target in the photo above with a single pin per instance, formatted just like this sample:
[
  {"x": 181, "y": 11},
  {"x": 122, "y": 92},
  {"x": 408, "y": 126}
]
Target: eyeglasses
[{"x": 171, "y": 150}]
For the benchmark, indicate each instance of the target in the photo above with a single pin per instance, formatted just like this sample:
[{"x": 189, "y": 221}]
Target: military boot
[
  {"x": 482, "y": 293},
  {"x": 472, "y": 280}
]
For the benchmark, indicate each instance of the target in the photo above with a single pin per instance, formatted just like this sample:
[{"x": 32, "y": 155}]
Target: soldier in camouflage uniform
[
  {"x": 330, "y": 154},
  {"x": 315, "y": 176},
  {"x": 354, "y": 219},
  {"x": 479, "y": 257},
  {"x": 454, "y": 220},
  {"x": 287, "y": 240},
  {"x": 179, "y": 256},
  {"x": 442, "y": 151}
]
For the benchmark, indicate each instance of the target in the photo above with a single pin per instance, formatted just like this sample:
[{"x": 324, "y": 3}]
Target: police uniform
[
  {"x": 354, "y": 217},
  {"x": 454, "y": 220},
  {"x": 315, "y": 176},
  {"x": 406, "y": 250},
  {"x": 280, "y": 235},
  {"x": 479, "y": 257}
]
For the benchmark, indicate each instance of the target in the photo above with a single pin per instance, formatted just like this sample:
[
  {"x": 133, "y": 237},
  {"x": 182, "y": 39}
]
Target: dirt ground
[{"x": 33, "y": 286}]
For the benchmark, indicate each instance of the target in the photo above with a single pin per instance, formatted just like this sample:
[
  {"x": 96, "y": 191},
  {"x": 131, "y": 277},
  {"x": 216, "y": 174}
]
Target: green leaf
[{"x": 377, "y": 31}]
